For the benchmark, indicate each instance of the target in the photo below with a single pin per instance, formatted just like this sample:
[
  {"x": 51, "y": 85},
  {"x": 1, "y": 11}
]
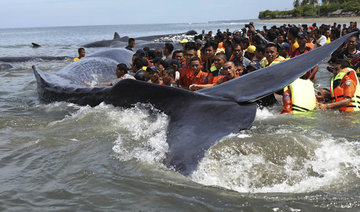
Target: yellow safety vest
[
  {"x": 276, "y": 61},
  {"x": 328, "y": 40},
  {"x": 302, "y": 96}
]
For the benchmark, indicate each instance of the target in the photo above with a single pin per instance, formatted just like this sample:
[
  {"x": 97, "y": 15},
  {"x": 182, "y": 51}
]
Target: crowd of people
[{"x": 211, "y": 59}]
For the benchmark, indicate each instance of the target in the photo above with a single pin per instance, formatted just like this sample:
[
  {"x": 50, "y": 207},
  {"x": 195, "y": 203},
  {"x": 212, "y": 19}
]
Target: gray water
[{"x": 65, "y": 157}]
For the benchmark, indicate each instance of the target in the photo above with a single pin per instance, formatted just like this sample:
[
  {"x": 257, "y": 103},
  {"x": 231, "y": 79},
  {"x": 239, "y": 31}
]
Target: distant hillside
[{"x": 312, "y": 8}]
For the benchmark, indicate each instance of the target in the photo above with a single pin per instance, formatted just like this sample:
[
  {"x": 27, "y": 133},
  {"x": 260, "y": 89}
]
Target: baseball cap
[
  {"x": 302, "y": 35},
  {"x": 255, "y": 65},
  {"x": 152, "y": 69},
  {"x": 284, "y": 45}
]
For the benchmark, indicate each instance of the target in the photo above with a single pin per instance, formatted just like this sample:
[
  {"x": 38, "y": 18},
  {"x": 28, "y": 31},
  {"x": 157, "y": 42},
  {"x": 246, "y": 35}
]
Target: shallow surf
[{"x": 62, "y": 156}]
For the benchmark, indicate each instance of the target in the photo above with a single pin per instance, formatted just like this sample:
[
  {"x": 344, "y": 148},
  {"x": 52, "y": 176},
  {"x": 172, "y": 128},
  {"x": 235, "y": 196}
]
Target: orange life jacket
[{"x": 337, "y": 92}]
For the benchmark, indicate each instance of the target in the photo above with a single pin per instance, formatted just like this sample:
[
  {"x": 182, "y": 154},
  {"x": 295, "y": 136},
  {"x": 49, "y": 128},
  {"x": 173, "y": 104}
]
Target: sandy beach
[{"x": 311, "y": 20}]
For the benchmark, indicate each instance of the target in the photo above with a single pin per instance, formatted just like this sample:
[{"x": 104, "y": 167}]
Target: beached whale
[
  {"x": 140, "y": 44},
  {"x": 32, "y": 58},
  {"x": 107, "y": 43},
  {"x": 118, "y": 41},
  {"x": 197, "y": 119}
]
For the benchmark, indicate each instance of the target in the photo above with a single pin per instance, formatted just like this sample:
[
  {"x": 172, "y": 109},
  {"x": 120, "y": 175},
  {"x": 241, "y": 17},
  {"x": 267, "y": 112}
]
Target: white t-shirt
[{"x": 322, "y": 40}]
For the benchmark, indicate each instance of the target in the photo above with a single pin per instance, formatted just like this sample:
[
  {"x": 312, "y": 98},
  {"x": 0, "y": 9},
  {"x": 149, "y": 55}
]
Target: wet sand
[{"x": 312, "y": 20}]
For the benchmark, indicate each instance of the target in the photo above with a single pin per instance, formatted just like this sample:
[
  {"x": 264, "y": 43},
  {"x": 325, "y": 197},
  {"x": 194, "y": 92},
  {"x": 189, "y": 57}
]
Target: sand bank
[{"x": 312, "y": 20}]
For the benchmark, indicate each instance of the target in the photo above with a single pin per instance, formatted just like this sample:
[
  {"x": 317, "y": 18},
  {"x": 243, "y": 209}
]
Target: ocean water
[{"x": 65, "y": 157}]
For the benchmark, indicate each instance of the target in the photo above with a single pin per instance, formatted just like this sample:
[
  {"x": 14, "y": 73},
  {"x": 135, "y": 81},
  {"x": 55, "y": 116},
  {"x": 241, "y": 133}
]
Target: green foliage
[
  {"x": 296, "y": 3},
  {"x": 311, "y": 8}
]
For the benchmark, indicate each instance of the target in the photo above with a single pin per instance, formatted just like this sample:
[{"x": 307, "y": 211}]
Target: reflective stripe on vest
[
  {"x": 337, "y": 93},
  {"x": 302, "y": 96},
  {"x": 276, "y": 61},
  {"x": 213, "y": 68}
]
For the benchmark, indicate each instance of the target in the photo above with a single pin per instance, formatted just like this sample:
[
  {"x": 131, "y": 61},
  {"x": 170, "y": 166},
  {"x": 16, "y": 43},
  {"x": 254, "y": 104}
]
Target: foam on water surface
[{"x": 290, "y": 165}]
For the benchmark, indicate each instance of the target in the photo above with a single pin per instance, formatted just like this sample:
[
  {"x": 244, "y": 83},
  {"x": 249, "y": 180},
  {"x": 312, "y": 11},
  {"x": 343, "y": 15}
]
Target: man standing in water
[
  {"x": 186, "y": 72},
  {"x": 167, "y": 51},
  {"x": 272, "y": 55},
  {"x": 200, "y": 78},
  {"x": 303, "y": 48},
  {"x": 237, "y": 55},
  {"x": 345, "y": 89},
  {"x": 229, "y": 72},
  {"x": 351, "y": 54},
  {"x": 81, "y": 52},
  {"x": 272, "y": 58}
]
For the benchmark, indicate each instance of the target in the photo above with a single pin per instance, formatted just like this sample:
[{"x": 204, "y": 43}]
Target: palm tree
[
  {"x": 296, "y": 3},
  {"x": 324, "y": 2},
  {"x": 305, "y": 2},
  {"x": 314, "y": 2}
]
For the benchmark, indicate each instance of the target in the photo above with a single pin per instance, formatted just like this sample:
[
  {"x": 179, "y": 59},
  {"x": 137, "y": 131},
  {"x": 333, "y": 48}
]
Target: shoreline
[{"x": 331, "y": 20}]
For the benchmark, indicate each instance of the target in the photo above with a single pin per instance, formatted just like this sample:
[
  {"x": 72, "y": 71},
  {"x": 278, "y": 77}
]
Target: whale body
[
  {"x": 32, "y": 58},
  {"x": 197, "y": 119},
  {"x": 141, "y": 42}
]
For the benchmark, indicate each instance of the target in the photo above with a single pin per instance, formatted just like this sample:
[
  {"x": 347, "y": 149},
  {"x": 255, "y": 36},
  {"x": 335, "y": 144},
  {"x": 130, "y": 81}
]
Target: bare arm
[
  {"x": 313, "y": 72},
  {"x": 195, "y": 87},
  {"x": 334, "y": 105}
]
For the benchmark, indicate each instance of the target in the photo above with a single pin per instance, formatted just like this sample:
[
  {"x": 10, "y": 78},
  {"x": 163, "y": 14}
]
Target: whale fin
[
  {"x": 262, "y": 82},
  {"x": 116, "y": 36},
  {"x": 35, "y": 45}
]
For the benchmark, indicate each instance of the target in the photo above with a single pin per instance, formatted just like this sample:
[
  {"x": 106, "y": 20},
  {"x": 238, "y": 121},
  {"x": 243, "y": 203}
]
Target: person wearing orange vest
[
  {"x": 345, "y": 90},
  {"x": 229, "y": 72},
  {"x": 186, "y": 75},
  {"x": 199, "y": 78},
  {"x": 303, "y": 48},
  {"x": 219, "y": 38}
]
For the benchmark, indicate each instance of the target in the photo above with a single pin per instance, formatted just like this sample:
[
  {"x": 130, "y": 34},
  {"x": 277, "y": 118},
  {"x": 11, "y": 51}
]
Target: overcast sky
[{"x": 38, "y": 13}]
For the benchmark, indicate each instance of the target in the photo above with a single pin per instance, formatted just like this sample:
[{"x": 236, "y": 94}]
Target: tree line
[{"x": 315, "y": 8}]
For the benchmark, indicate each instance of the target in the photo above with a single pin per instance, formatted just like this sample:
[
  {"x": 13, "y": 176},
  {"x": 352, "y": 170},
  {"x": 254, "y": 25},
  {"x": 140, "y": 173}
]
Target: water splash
[
  {"x": 140, "y": 131},
  {"x": 143, "y": 137},
  {"x": 300, "y": 163}
]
